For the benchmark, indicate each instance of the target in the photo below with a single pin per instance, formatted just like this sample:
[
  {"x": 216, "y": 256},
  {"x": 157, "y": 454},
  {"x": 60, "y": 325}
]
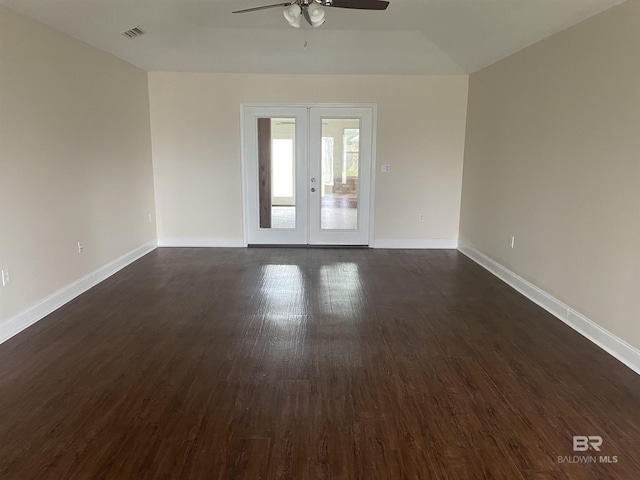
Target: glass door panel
[
  {"x": 340, "y": 173},
  {"x": 277, "y": 173}
]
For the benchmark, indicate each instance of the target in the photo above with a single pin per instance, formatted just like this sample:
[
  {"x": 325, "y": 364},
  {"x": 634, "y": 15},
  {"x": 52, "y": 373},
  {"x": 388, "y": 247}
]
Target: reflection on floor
[{"x": 339, "y": 212}]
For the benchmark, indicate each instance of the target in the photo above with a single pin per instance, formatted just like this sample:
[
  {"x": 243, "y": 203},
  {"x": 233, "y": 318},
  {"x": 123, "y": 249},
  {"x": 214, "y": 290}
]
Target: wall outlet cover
[{"x": 6, "y": 277}]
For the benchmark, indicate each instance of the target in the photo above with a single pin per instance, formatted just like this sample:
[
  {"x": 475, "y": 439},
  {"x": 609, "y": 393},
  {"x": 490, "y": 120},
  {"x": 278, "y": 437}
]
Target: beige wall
[
  {"x": 75, "y": 160},
  {"x": 195, "y": 123},
  {"x": 553, "y": 157}
]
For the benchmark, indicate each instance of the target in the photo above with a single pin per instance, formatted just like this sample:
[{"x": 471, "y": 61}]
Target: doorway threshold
[{"x": 269, "y": 245}]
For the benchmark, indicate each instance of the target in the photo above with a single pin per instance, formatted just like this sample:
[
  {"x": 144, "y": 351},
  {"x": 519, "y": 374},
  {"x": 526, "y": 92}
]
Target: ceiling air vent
[{"x": 133, "y": 33}]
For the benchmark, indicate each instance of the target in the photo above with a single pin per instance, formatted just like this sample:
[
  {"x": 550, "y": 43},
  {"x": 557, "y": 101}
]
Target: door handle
[{"x": 313, "y": 189}]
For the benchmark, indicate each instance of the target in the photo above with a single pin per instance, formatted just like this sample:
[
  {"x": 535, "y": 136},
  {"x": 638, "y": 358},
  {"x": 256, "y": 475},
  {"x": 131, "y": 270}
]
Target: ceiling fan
[{"x": 312, "y": 12}]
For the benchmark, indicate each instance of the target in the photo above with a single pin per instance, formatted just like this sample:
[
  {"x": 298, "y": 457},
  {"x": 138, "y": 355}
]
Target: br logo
[{"x": 582, "y": 443}]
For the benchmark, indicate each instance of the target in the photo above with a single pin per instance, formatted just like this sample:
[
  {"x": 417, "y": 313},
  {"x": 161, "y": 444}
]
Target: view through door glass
[
  {"x": 276, "y": 173},
  {"x": 340, "y": 173}
]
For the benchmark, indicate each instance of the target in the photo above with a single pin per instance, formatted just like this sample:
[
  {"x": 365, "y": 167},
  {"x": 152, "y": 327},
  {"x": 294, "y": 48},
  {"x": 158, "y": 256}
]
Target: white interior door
[
  {"x": 340, "y": 175},
  {"x": 307, "y": 174},
  {"x": 276, "y": 171}
]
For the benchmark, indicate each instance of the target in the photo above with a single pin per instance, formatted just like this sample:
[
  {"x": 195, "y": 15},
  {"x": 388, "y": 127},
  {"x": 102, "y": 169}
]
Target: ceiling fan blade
[
  {"x": 264, "y": 7},
  {"x": 358, "y": 4}
]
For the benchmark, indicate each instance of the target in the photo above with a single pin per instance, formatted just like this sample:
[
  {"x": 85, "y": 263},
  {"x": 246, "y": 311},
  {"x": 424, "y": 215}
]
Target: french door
[{"x": 307, "y": 175}]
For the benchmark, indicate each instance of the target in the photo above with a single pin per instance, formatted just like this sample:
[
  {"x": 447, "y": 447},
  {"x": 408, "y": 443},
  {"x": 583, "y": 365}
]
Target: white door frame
[{"x": 245, "y": 152}]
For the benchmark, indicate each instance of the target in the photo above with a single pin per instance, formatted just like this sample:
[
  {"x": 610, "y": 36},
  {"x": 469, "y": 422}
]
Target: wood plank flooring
[{"x": 309, "y": 364}]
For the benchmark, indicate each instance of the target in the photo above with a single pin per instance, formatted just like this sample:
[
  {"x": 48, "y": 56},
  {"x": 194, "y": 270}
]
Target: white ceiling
[{"x": 411, "y": 37}]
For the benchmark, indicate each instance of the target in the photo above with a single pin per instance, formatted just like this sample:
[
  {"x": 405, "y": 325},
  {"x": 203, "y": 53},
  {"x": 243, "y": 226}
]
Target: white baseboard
[
  {"x": 239, "y": 243},
  {"x": 416, "y": 244},
  {"x": 610, "y": 343},
  {"x": 31, "y": 315},
  {"x": 201, "y": 242}
]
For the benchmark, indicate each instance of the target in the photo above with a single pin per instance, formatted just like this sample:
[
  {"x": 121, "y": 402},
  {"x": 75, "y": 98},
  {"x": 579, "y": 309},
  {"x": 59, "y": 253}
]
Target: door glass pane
[
  {"x": 340, "y": 173},
  {"x": 276, "y": 173}
]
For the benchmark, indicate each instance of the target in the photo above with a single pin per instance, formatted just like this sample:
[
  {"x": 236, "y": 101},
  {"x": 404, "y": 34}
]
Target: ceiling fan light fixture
[
  {"x": 316, "y": 13},
  {"x": 293, "y": 15},
  {"x": 312, "y": 10}
]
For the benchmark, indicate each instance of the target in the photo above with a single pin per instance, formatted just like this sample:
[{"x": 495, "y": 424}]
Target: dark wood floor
[{"x": 309, "y": 364}]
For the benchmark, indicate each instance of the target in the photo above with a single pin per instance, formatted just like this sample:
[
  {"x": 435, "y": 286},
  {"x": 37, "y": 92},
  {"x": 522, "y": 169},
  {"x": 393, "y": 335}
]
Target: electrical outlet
[
  {"x": 512, "y": 241},
  {"x": 386, "y": 168},
  {"x": 421, "y": 217},
  {"x": 6, "y": 277},
  {"x": 150, "y": 218},
  {"x": 80, "y": 247}
]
